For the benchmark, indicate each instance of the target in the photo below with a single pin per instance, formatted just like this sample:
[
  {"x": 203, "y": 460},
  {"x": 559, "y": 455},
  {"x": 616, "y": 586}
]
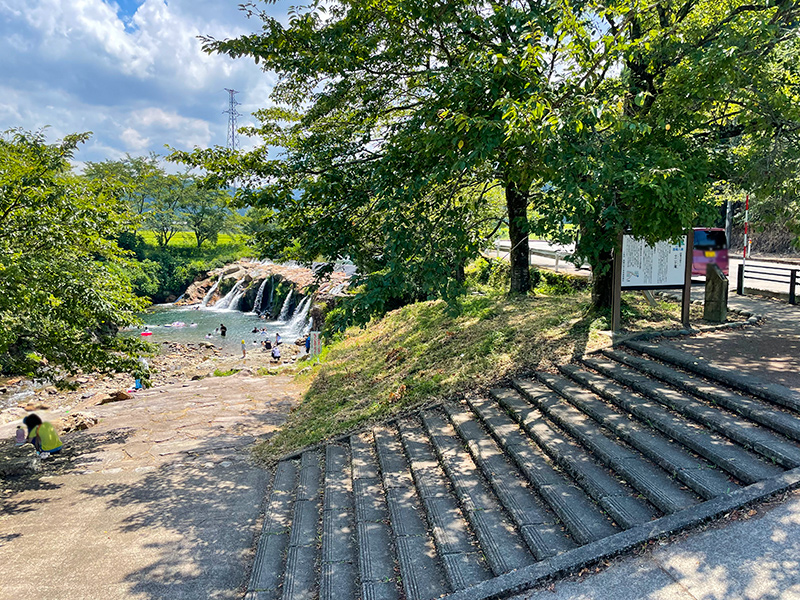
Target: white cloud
[
  {"x": 133, "y": 140},
  {"x": 137, "y": 81}
]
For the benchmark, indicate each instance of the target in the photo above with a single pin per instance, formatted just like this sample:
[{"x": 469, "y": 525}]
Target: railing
[
  {"x": 557, "y": 255},
  {"x": 769, "y": 273}
]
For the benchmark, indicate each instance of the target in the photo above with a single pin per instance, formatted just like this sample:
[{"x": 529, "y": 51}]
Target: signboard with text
[
  {"x": 316, "y": 344},
  {"x": 645, "y": 266}
]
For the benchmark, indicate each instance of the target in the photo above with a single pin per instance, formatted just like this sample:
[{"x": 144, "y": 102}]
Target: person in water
[
  {"x": 277, "y": 339},
  {"x": 42, "y": 435},
  {"x": 222, "y": 330}
]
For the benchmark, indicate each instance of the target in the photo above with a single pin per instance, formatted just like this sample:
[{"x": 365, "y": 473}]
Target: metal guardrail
[
  {"x": 558, "y": 256},
  {"x": 772, "y": 274}
]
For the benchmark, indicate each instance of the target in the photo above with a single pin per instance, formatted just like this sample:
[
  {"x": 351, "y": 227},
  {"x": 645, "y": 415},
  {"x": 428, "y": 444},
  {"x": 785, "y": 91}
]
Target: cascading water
[
  {"x": 285, "y": 308},
  {"x": 300, "y": 314},
  {"x": 271, "y": 294},
  {"x": 236, "y": 300},
  {"x": 210, "y": 293},
  {"x": 259, "y": 295},
  {"x": 226, "y": 302}
]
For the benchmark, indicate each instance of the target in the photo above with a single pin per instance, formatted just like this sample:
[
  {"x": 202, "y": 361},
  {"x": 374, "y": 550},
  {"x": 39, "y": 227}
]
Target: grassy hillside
[{"x": 423, "y": 353}]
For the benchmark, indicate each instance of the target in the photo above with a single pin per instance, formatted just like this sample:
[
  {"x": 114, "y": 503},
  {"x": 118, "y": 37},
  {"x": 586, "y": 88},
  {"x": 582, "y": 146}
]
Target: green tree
[
  {"x": 611, "y": 115},
  {"x": 136, "y": 176},
  {"x": 63, "y": 290},
  {"x": 389, "y": 119},
  {"x": 168, "y": 194},
  {"x": 205, "y": 212},
  {"x": 640, "y": 122}
]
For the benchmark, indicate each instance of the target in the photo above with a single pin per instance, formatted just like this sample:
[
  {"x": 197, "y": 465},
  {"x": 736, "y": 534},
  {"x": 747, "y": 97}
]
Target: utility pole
[{"x": 233, "y": 137}]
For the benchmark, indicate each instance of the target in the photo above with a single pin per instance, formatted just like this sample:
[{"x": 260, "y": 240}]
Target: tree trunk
[
  {"x": 458, "y": 271},
  {"x": 603, "y": 281},
  {"x": 517, "y": 205}
]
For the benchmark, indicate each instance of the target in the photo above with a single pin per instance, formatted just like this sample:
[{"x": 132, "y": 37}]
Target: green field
[{"x": 186, "y": 239}]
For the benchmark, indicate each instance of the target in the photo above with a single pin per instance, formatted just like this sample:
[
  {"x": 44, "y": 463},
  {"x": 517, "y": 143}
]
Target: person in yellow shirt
[{"x": 43, "y": 436}]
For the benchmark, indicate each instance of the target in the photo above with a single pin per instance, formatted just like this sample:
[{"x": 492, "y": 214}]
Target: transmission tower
[{"x": 233, "y": 137}]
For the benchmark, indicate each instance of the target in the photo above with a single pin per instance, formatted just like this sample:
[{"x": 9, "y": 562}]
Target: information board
[
  {"x": 645, "y": 266},
  {"x": 316, "y": 344}
]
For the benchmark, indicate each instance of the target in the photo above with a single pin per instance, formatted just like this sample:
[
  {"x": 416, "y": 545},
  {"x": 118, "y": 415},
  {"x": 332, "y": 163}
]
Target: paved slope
[{"x": 489, "y": 496}]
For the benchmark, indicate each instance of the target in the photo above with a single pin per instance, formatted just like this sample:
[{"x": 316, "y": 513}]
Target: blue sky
[{"x": 130, "y": 71}]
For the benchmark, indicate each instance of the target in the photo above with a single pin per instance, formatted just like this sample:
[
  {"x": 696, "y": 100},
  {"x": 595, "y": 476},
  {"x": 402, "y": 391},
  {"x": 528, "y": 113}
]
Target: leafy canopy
[{"x": 63, "y": 289}]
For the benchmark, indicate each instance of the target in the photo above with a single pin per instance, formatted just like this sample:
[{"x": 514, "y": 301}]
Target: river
[{"x": 187, "y": 324}]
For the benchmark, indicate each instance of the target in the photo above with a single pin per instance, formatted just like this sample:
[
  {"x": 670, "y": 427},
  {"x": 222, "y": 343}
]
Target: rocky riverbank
[{"x": 174, "y": 364}]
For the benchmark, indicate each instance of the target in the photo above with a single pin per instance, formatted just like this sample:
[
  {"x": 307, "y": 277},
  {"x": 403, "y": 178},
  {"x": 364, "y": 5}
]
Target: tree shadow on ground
[
  {"x": 196, "y": 517},
  {"x": 24, "y": 472},
  {"x": 714, "y": 564}
]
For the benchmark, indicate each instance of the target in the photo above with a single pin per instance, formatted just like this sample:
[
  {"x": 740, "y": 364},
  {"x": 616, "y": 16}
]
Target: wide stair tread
[
  {"x": 749, "y": 435},
  {"x": 497, "y": 536},
  {"x": 422, "y": 573},
  {"x": 779, "y": 420},
  {"x": 270, "y": 560},
  {"x": 302, "y": 562},
  {"x": 538, "y": 525},
  {"x": 651, "y": 481},
  {"x": 696, "y": 473},
  {"x": 457, "y": 545},
  {"x": 734, "y": 459},
  {"x": 581, "y": 516},
  {"x": 772, "y": 392},
  {"x": 618, "y": 500},
  {"x": 375, "y": 548},
  {"x": 339, "y": 568}
]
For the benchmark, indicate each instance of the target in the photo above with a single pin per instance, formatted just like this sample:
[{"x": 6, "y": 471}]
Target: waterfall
[
  {"x": 210, "y": 293},
  {"x": 259, "y": 295},
  {"x": 285, "y": 308},
  {"x": 227, "y": 300},
  {"x": 236, "y": 300},
  {"x": 300, "y": 313},
  {"x": 271, "y": 294}
]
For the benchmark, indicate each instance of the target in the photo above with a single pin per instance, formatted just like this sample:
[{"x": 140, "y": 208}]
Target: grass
[
  {"x": 423, "y": 353},
  {"x": 228, "y": 373}
]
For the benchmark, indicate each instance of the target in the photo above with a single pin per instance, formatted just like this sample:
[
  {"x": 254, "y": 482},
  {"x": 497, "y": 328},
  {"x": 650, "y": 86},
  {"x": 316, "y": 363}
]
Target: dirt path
[{"x": 159, "y": 499}]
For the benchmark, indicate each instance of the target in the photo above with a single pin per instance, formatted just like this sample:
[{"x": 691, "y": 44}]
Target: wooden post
[
  {"x": 687, "y": 279},
  {"x": 616, "y": 293}
]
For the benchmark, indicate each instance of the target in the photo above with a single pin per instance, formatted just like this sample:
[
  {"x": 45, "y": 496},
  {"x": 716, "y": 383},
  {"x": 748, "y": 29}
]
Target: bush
[
  {"x": 495, "y": 274},
  {"x": 561, "y": 284}
]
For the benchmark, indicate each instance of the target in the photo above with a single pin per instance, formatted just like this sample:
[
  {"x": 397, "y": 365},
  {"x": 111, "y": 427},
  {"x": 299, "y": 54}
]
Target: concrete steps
[{"x": 487, "y": 496}]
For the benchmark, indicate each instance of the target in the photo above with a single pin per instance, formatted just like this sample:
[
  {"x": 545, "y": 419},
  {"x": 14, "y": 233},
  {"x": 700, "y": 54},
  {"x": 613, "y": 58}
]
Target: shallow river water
[{"x": 185, "y": 324}]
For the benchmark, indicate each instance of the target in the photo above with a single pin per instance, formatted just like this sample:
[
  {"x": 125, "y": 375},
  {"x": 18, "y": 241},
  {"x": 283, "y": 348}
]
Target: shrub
[{"x": 561, "y": 284}]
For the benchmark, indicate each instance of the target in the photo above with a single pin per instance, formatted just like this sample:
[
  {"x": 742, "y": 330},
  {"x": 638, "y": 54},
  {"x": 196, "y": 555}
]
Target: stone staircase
[{"x": 487, "y": 497}]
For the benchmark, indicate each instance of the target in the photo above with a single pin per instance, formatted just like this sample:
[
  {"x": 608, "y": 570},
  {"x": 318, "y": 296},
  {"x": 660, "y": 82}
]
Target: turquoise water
[{"x": 202, "y": 325}]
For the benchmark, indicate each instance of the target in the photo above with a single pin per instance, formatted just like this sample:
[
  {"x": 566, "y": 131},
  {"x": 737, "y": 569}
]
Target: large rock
[{"x": 116, "y": 397}]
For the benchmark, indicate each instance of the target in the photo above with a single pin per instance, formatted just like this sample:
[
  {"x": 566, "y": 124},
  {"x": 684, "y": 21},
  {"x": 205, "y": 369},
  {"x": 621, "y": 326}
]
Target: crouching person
[{"x": 43, "y": 436}]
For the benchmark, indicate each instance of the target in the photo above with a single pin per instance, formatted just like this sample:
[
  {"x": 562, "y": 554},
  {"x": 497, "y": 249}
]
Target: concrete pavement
[{"x": 159, "y": 500}]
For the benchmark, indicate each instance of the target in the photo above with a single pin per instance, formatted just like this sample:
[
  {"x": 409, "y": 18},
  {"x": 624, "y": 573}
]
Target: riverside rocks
[
  {"x": 253, "y": 273},
  {"x": 175, "y": 361}
]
